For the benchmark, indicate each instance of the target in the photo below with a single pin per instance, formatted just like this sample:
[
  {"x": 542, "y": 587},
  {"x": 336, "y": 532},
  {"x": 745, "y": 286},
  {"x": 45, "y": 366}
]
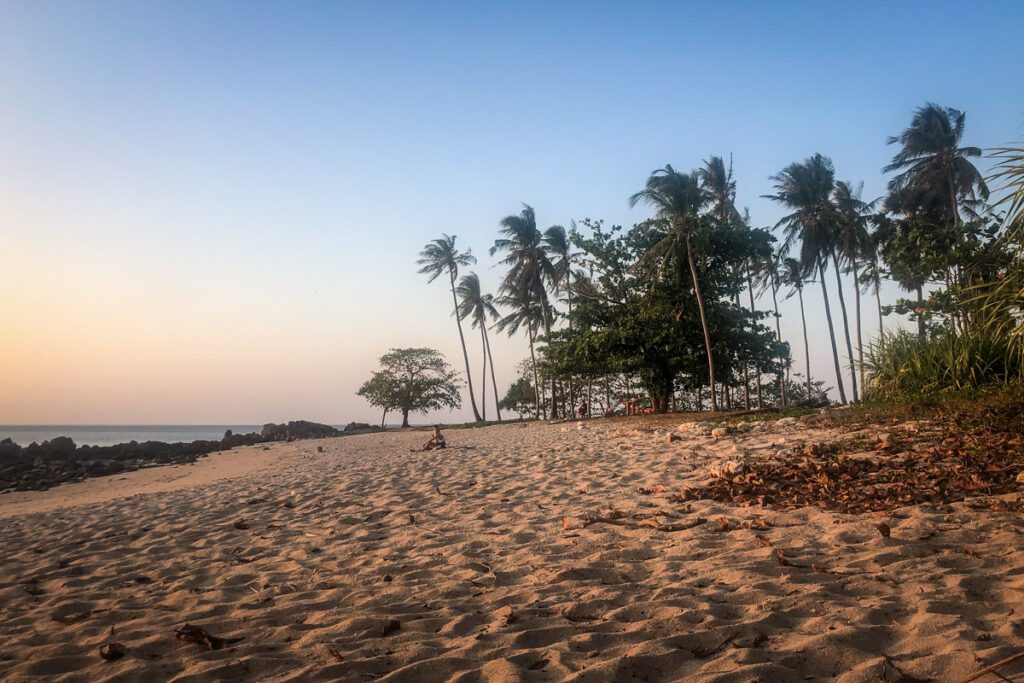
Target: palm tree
[
  {"x": 525, "y": 312},
  {"x": 853, "y": 243},
  {"x": 768, "y": 275},
  {"x": 717, "y": 182},
  {"x": 440, "y": 256},
  {"x": 935, "y": 171},
  {"x": 479, "y": 308},
  {"x": 806, "y": 188},
  {"x": 678, "y": 200},
  {"x": 529, "y": 268},
  {"x": 792, "y": 274}
]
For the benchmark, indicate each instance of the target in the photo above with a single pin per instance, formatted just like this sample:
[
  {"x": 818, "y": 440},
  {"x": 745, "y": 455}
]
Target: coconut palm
[
  {"x": 479, "y": 308},
  {"x": 768, "y": 276},
  {"x": 792, "y": 274},
  {"x": 853, "y": 242},
  {"x": 526, "y": 312},
  {"x": 678, "y": 200},
  {"x": 806, "y": 188},
  {"x": 529, "y": 267},
  {"x": 440, "y": 256},
  {"x": 935, "y": 172}
]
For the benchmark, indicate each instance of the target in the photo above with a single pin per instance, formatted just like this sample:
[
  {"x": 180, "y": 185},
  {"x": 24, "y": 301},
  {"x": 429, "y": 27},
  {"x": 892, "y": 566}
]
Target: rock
[
  {"x": 360, "y": 428},
  {"x": 725, "y": 469},
  {"x": 673, "y": 437},
  {"x": 783, "y": 421},
  {"x": 719, "y": 432},
  {"x": 1020, "y": 478}
]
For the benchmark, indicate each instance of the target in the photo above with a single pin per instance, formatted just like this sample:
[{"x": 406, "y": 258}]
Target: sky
[{"x": 210, "y": 212}]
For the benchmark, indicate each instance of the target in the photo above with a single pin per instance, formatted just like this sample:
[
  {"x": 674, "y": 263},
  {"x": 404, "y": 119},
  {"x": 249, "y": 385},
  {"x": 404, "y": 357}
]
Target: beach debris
[
  {"x": 724, "y": 526},
  {"x": 670, "y": 437},
  {"x": 240, "y": 524},
  {"x": 439, "y": 491},
  {"x": 288, "y": 503},
  {"x": 197, "y": 635},
  {"x": 993, "y": 668},
  {"x": 319, "y": 449},
  {"x": 334, "y": 653},
  {"x": 657, "y": 488},
  {"x": 619, "y": 518},
  {"x": 719, "y": 432},
  {"x": 884, "y": 529},
  {"x": 113, "y": 651}
]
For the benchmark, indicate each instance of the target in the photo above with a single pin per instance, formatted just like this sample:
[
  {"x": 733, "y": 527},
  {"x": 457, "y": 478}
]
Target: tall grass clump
[{"x": 904, "y": 366}]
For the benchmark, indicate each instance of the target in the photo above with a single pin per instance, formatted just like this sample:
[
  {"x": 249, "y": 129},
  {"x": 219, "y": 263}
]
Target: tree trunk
[
  {"x": 703, "y": 322},
  {"x": 536, "y": 379},
  {"x": 383, "y": 417},
  {"x": 746, "y": 370},
  {"x": 807, "y": 347},
  {"x": 757, "y": 369},
  {"x": 465, "y": 355},
  {"x": 778, "y": 336},
  {"x": 920, "y": 316},
  {"x": 860, "y": 340},
  {"x": 831, "y": 332},
  {"x": 494, "y": 382},
  {"x": 483, "y": 375},
  {"x": 846, "y": 325},
  {"x": 878, "y": 300},
  {"x": 405, "y": 417}
]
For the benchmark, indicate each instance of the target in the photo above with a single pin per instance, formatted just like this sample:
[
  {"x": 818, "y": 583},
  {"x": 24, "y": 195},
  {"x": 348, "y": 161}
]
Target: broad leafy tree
[{"x": 414, "y": 380}]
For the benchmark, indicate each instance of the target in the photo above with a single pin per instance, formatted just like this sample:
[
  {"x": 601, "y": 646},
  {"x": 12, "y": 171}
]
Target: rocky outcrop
[
  {"x": 41, "y": 466},
  {"x": 299, "y": 429},
  {"x": 360, "y": 428}
]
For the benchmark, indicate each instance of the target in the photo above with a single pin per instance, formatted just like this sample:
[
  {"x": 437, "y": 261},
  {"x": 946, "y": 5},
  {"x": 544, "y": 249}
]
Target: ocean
[{"x": 108, "y": 435}]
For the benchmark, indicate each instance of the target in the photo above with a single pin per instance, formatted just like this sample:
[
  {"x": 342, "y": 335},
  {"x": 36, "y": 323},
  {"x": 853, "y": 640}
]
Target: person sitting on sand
[{"x": 436, "y": 441}]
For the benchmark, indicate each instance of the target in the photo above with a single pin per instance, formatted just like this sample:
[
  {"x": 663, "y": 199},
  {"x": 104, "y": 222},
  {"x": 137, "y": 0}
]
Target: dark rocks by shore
[{"x": 40, "y": 466}]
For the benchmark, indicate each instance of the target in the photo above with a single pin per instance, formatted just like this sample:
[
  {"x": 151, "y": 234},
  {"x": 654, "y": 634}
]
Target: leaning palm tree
[
  {"x": 806, "y": 188},
  {"x": 678, "y": 200},
  {"x": 440, "y": 256},
  {"x": 529, "y": 267},
  {"x": 792, "y": 274},
  {"x": 526, "y": 312},
  {"x": 768, "y": 276},
  {"x": 935, "y": 171},
  {"x": 479, "y": 308},
  {"x": 852, "y": 243}
]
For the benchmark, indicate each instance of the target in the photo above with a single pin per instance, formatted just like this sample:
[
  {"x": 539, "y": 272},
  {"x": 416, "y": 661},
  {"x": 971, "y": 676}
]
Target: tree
[
  {"x": 415, "y": 380},
  {"x": 853, "y": 243},
  {"x": 525, "y": 312},
  {"x": 441, "y": 256},
  {"x": 935, "y": 172},
  {"x": 806, "y": 188},
  {"x": 529, "y": 267},
  {"x": 793, "y": 275},
  {"x": 479, "y": 308},
  {"x": 678, "y": 199}
]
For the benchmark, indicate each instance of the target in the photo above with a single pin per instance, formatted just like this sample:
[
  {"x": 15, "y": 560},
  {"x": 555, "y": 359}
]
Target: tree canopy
[{"x": 412, "y": 380}]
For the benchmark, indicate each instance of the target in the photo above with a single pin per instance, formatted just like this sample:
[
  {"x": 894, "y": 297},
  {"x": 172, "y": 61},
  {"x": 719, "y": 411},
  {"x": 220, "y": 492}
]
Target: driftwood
[{"x": 994, "y": 667}]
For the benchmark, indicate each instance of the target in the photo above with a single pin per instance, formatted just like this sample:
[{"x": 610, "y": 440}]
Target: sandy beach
[{"x": 355, "y": 559}]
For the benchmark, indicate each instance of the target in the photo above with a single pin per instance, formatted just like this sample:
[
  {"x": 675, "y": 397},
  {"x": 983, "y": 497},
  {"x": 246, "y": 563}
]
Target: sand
[{"x": 369, "y": 562}]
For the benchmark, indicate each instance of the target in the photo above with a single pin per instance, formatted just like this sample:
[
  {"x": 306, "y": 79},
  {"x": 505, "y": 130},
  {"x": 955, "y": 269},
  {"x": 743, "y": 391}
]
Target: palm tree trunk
[
  {"x": 920, "y": 316},
  {"x": 483, "y": 375},
  {"x": 807, "y": 347},
  {"x": 383, "y": 417},
  {"x": 703, "y": 322},
  {"x": 831, "y": 331},
  {"x": 465, "y": 355},
  {"x": 860, "y": 340},
  {"x": 878, "y": 300},
  {"x": 778, "y": 336},
  {"x": 494, "y": 382},
  {"x": 757, "y": 369},
  {"x": 536, "y": 378},
  {"x": 746, "y": 370},
  {"x": 846, "y": 324}
]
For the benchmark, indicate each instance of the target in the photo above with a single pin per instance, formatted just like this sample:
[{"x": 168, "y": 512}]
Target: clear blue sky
[{"x": 210, "y": 211}]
